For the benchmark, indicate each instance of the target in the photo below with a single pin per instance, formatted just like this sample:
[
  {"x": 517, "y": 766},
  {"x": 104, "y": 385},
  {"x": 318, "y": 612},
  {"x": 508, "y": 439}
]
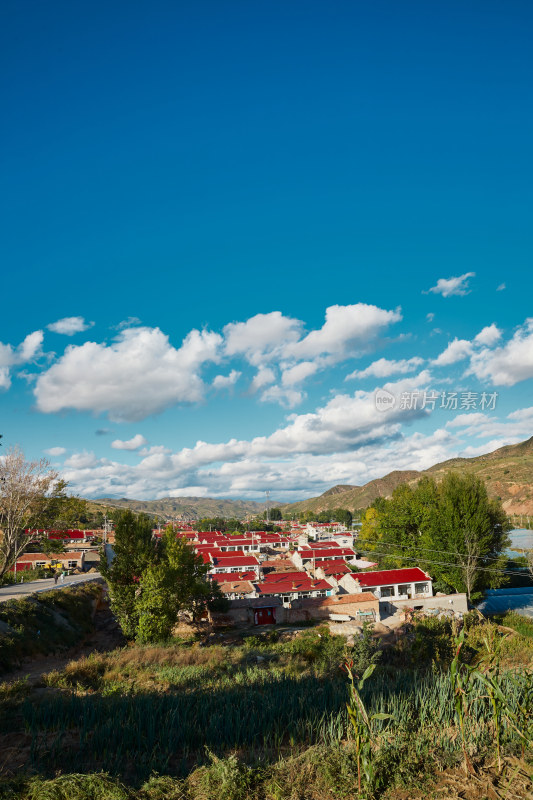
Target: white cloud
[
  {"x": 346, "y": 332},
  {"x": 264, "y": 377},
  {"x": 298, "y": 373},
  {"x": 430, "y": 316},
  {"x": 521, "y": 413},
  {"x": 5, "y": 378},
  {"x": 139, "y": 374},
  {"x": 384, "y": 367},
  {"x": 29, "y": 350},
  {"x": 130, "y": 444},
  {"x": 262, "y": 337},
  {"x": 509, "y": 364},
  {"x": 501, "y": 287},
  {"x": 488, "y": 336},
  {"x": 456, "y": 351},
  {"x": 452, "y": 286},
  {"x": 226, "y": 381},
  {"x": 69, "y": 325},
  {"x": 285, "y": 396},
  {"x": 514, "y": 428},
  {"x": 56, "y": 451}
]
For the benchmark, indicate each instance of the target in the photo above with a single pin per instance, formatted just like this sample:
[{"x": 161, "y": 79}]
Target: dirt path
[{"x": 105, "y": 637}]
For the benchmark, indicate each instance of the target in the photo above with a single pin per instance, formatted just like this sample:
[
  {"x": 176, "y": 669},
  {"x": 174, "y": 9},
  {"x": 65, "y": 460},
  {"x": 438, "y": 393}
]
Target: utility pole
[
  {"x": 268, "y": 505},
  {"x": 105, "y": 528}
]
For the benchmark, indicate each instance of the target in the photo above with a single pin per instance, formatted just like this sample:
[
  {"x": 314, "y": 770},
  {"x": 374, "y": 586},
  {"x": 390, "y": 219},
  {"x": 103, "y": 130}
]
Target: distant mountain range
[
  {"x": 507, "y": 472},
  {"x": 189, "y": 507}
]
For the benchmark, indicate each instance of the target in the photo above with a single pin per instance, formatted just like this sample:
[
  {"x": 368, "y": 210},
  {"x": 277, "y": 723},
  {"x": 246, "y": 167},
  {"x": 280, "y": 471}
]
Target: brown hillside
[{"x": 507, "y": 472}]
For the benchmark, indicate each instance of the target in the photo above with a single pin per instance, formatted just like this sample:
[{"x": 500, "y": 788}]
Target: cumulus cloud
[
  {"x": 29, "y": 350},
  {"x": 69, "y": 325},
  {"x": 138, "y": 374},
  {"x": 298, "y": 373},
  {"x": 384, "y": 367},
  {"x": 332, "y": 435},
  {"x": 430, "y": 316},
  {"x": 285, "y": 396},
  {"x": 264, "y": 377},
  {"x": 456, "y": 351},
  {"x": 452, "y": 286},
  {"x": 346, "y": 332},
  {"x": 56, "y": 451},
  {"x": 262, "y": 337},
  {"x": 513, "y": 428},
  {"x": 488, "y": 336},
  {"x": 508, "y": 364},
  {"x": 501, "y": 287},
  {"x": 226, "y": 381},
  {"x": 130, "y": 444}
]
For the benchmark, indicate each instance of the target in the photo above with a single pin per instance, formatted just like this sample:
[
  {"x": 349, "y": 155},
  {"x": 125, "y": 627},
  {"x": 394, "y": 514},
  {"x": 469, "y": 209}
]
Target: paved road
[{"x": 23, "y": 589}]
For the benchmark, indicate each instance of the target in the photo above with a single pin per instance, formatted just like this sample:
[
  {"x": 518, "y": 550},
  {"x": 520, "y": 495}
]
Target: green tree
[
  {"x": 177, "y": 583},
  {"x": 451, "y": 529},
  {"x": 468, "y": 532},
  {"x": 134, "y": 551},
  {"x": 344, "y": 516}
]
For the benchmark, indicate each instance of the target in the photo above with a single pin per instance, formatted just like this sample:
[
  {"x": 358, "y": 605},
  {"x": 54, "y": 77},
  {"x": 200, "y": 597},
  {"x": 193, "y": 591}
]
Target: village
[{"x": 300, "y": 574}]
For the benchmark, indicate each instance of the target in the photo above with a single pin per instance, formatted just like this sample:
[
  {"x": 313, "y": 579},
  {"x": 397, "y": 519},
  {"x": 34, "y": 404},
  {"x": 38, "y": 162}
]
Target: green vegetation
[
  {"x": 150, "y": 582},
  {"x": 44, "y": 623},
  {"x": 265, "y": 717},
  {"x": 452, "y": 527}
]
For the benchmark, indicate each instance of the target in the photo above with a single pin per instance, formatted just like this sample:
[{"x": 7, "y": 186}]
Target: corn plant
[
  {"x": 362, "y": 723},
  {"x": 462, "y": 685}
]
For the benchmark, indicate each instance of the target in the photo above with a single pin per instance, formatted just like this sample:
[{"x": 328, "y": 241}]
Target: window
[
  {"x": 421, "y": 588},
  {"x": 387, "y": 591},
  {"x": 404, "y": 588},
  {"x": 72, "y": 564}
]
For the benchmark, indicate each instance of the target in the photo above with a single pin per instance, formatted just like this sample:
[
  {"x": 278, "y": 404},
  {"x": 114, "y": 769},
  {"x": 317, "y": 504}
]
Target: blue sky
[{"x": 236, "y": 207}]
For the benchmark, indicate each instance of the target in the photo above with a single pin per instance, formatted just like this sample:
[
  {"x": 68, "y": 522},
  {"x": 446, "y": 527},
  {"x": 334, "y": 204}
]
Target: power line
[
  {"x": 433, "y": 550},
  {"x": 438, "y": 563}
]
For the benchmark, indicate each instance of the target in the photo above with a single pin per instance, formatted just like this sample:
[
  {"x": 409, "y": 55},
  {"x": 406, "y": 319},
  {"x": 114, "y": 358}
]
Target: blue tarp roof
[{"x": 498, "y": 601}]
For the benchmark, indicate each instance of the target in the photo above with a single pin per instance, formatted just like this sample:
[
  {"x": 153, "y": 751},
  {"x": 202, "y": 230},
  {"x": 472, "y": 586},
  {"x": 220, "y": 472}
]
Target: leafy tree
[
  {"x": 28, "y": 491},
  {"x": 135, "y": 551},
  {"x": 451, "y": 529},
  {"x": 275, "y": 514},
  {"x": 177, "y": 583},
  {"x": 344, "y": 516},
  {"x": 219, "y": 524},
  {"x": 470, "y": 531}
]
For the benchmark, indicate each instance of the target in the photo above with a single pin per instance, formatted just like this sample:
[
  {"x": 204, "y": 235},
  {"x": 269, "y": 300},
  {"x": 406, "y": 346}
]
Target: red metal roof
[
  {"x": 390, "y": 576},
  {"x": 329, "y": 552},
  {"x": 222, "y": 577},
  {"x": 235, "y": 560},
  {"x": 286, "y": 587},
  {"x": 276, "y": 577},
  {"x": 334, "y": 567}
]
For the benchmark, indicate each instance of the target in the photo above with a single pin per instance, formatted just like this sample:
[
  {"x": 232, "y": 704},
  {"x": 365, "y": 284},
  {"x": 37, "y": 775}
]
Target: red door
[{"x": 265, "y": 616}]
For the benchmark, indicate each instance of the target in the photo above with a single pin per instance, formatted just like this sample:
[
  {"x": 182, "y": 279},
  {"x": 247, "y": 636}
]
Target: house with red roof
[
  {"x": 312, "y": 555},
  {"x": 398, "y": 584},
  {"x": 233, "y": 563}
]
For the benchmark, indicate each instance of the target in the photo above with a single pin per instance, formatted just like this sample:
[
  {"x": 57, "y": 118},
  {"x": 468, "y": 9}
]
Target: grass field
[{"x": 259, "y": 718}]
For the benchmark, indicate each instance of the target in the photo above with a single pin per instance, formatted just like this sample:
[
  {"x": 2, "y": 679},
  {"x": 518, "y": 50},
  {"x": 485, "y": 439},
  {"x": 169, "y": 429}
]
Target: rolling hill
[
  {"x": 507, "y": 472},
  {"x": 188, "y": 507}
]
